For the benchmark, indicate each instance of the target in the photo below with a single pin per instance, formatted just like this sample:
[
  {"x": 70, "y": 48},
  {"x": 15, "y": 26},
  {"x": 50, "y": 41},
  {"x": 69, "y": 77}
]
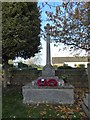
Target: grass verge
[{"x": 13, "y": 107}]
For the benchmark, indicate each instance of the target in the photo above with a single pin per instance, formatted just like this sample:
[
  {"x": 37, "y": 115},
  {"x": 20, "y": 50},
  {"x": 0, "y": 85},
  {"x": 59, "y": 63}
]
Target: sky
[{"x": 56, "y": 50}]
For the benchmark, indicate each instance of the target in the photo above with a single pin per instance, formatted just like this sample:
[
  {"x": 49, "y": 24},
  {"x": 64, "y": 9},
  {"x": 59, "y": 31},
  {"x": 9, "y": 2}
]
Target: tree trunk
[{"x": 6, "y": 75}]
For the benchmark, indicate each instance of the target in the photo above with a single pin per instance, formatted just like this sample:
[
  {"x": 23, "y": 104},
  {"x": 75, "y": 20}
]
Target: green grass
[
  {"x": 12, "y": 104},
  {"x": 13, "y": 107}
]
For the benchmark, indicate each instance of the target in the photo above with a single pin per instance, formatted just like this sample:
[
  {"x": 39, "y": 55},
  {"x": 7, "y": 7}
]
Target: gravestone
[{"x": 60, "y": 94}]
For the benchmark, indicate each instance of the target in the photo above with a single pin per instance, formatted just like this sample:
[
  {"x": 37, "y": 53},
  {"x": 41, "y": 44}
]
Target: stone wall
[
  {"x": 76, "y": 77},
  {"x": 22, "y": 77}
]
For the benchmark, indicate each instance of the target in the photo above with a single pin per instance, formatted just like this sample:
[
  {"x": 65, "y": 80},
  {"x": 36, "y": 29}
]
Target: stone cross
[
  {"x": 48, "y": 54},
  {"x": 48, "y": 69}
]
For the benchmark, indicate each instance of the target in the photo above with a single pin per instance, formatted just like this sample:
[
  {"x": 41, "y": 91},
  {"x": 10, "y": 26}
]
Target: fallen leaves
[
  {"x": 43, "y": 113},
  {"x": 37, "y": 104},
  {"x": 47, "y": 110},
  {"x": 58, "y": 114}
]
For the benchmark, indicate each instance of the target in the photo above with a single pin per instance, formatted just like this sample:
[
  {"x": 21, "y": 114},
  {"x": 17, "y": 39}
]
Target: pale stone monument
[
  {"x": 48, "y": 71},
  {"x": 59, "y": 94}
]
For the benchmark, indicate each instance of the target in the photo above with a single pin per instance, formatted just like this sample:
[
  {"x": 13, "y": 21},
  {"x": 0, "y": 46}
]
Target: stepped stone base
[
  {"x": 48, "y": 73},
  {"x": 33, "y": 94},
  {"x": 45, "y": 77}
]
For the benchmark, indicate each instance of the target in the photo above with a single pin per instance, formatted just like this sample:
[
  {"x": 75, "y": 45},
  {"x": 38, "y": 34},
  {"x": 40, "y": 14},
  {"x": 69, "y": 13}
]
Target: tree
[
  {"x": 0, "y": 52},
  {"x": 71, "y": 23},
  {"x": 20, "y": 30}
]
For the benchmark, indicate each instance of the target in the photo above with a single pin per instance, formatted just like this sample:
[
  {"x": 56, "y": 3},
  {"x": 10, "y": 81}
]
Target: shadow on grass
[{"x": 13, "y": 107}]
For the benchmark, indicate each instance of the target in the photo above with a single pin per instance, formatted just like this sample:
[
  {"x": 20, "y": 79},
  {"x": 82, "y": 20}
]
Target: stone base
[
  {"x": 48, "y": 71},
  {"x": 51, "y": 95},
  {"x": 44, "y": 77}
]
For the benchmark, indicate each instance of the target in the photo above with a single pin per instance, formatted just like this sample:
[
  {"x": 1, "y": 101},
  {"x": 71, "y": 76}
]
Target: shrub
[
  {"x": 81, "y": 66},
  {"x": 64, "y": 67}
]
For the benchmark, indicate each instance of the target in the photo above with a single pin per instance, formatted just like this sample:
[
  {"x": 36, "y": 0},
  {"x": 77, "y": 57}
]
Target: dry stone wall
[{"x": 76, "y": 77}]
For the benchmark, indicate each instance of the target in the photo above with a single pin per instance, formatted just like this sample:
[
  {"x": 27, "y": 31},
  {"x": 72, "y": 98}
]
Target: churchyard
[
  {"x": 13, "y": 107},
  {"x": 46, "y": 96},
  {"x": 47, "y": 92}
]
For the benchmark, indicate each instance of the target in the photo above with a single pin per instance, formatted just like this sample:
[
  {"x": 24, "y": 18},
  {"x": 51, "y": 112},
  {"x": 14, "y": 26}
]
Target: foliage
[
  {"x": 81, "y": 66},
  {"x": 55, "y": 67},
  {"x": 70, "y": 24},
  {"x": 0, "y": 52},
  {"x": 64, "y": 67},
  {"x": 21, "y": 29},
  {"x": 25, "y": 67},
  {"x": 22, "y": 65},
  {"x": 35, "y": 66}
]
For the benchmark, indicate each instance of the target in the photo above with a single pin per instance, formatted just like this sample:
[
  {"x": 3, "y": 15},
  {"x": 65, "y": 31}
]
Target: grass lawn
[{"x": 12, "y": 107}]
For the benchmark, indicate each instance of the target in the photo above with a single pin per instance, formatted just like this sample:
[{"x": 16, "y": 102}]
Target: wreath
[
  {"x": 42, "y": 82},
  {"x": 52, "y": 82}
]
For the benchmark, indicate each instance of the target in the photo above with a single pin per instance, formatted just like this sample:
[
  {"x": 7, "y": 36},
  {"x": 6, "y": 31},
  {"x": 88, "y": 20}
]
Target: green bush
[
  {"x": 81, "y": 66},
  {"x": 64, "y": 67},
  {"x": 55, "y": 67},
  {"x": 21, "y": 65}
]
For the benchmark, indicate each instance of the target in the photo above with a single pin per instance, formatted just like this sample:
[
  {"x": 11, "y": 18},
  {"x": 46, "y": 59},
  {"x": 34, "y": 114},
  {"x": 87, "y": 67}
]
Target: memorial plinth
[
  {"x": 53, "y": 95},
  {"x": 50, "y": 88},
  {"x": 48, "y": 71}
]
